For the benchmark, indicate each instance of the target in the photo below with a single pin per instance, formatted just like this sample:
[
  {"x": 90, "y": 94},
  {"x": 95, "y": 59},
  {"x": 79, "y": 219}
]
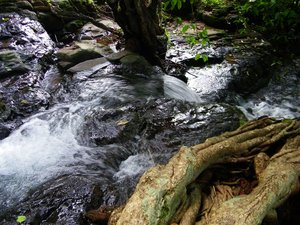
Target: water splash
[{"x": 47, "y": 144}]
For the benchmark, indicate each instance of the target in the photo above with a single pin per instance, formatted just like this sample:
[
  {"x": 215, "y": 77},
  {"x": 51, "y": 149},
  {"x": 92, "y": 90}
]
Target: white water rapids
[{"x": 46, "y": 145}]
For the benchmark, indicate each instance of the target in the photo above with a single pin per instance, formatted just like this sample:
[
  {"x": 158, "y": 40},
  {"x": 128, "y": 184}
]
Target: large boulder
[
  {"x": 81, "y": 51},
  {"x": 26, "y": 51}
]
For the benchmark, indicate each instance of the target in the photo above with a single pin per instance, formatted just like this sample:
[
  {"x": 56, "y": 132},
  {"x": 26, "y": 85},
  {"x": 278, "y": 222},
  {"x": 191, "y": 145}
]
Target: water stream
[
  {"x": 49, "y": 143},
  {"x": 54, "y": 142}
]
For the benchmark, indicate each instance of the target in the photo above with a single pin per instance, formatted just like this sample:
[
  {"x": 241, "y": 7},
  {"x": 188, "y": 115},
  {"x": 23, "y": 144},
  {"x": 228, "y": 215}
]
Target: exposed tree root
[{"x": 172, "y": 193}]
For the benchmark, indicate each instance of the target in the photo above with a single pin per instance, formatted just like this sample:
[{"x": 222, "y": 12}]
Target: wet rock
[
  {"x": 169, "y": 123},
  {"x": 143, "y": 134},
  {"x": 5, "y": 111},
  {"x": 4, "y": 131},
  {"x": 280, "y": 98},
  {"x": 217, "y": 20},
  {"x": 220, "y": 15},
  {"x": 91, "y": 65},
  {"x": 251, "y": 65},
  {"x": 26, "y": 51},
  {"x": 90, "y": 31},
  {"x": 11, "y": 64},
  {"x": 236, "y": 64},
  {"x": 26, "y": 36},
  {"x": 23, "y": 4},
  {"x": 81, "y": 51},
  {"x": 62, "y": 201},
  {"x": 23, "y": 7}
]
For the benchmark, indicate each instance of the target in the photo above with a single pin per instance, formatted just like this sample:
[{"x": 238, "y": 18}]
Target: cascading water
[
  {"x": 280, "y": 99},
  {"x": 49, "y": 143}
]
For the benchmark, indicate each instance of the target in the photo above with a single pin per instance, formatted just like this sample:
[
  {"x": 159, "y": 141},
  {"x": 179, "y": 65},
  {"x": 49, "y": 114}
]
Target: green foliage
[
  {"x": 21, "y": 219},
  {"x": 176, "y": 4},
  {"x": 279, "y": 18},
  {"x": 213, "y": 3},
  {"x": 199, "y": 38},
  {"x": 5, "y": 19},
  {"x": 87, "y": 1},
  {"x": 191, "y": 39}
]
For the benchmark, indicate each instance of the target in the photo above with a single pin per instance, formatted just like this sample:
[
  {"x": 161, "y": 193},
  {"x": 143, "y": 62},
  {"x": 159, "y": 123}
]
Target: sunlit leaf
[
  {"x": 5, "y": 19},
  {"x": 21, "y": 219},
  {"x": 185, "y": 28},
  {"x": 198, "y": 56},
  {"x": 205, "y": 58}
]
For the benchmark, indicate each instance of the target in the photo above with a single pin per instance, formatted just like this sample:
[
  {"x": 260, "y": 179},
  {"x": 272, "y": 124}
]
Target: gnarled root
[{"x": 163, "y": 190}]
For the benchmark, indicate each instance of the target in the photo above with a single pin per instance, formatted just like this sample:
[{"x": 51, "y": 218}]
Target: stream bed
[{"x": 89, "y": 136}]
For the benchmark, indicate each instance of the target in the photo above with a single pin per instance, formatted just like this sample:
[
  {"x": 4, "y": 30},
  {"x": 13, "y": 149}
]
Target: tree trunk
[
  {"x": 170, "y": 193},
  {"x": 139, "y": 20}
]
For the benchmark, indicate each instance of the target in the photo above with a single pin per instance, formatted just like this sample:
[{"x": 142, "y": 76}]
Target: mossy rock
[{"x": 11, "y": 64}]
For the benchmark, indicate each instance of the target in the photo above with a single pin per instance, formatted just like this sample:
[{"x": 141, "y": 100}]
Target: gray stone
[
  {"x": 92, "y": 65},
  {"x": 116, "y": 56},
  {"x": 90, "y": 31},
  {"x": 11, "y": 63},
  {"x": 134, "y": 58},
  {"x": 82, "y": 51}
]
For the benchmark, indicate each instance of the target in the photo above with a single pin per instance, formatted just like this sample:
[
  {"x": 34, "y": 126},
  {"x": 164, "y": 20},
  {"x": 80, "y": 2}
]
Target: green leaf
[
  {"x": 205, "y": 58},
  {"x": 193, "y": 26},
  {"x": 198, "y": 56},
  {"x": 21, "y": 219},
  {"x": 185, "y": 28},
  {"x": 173, "y": 4},
  {"x": 179, "y": 4},
  {"x": 179, "y": 20},
  {"x": 5, "y": 19}
]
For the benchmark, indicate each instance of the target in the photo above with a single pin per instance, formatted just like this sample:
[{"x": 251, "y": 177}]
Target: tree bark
[
  {"x": 162, "y": 194},
  {"x": 139, "y": 20}
]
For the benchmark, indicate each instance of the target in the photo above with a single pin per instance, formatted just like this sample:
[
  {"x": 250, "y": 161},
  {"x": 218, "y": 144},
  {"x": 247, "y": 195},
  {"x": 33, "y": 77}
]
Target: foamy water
[{"x": 46, "y": 145}]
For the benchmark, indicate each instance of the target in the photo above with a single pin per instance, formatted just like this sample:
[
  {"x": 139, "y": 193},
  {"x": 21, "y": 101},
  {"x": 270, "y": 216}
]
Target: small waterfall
[{"x": 177, "y": 89}]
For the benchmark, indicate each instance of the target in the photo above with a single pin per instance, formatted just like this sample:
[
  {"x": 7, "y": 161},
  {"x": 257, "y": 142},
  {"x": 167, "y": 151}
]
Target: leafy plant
[
  {"x": 199, "y": 38},
  {"x": 280, "y": 18},
  {"x": 172, "y": 4},
  {"x": 192, "y": 39}
]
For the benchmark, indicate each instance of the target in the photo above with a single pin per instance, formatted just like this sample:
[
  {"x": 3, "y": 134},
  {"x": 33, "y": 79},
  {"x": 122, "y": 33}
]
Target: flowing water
[
  {"x": 53, "y": 143},
  {"x": 280, "y": 99},
  {"x": 49, "y": 143}
]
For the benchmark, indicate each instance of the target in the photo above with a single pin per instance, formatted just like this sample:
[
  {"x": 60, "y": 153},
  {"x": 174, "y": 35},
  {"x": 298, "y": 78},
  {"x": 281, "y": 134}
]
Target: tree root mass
[{"x": 240, "y": 177}]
